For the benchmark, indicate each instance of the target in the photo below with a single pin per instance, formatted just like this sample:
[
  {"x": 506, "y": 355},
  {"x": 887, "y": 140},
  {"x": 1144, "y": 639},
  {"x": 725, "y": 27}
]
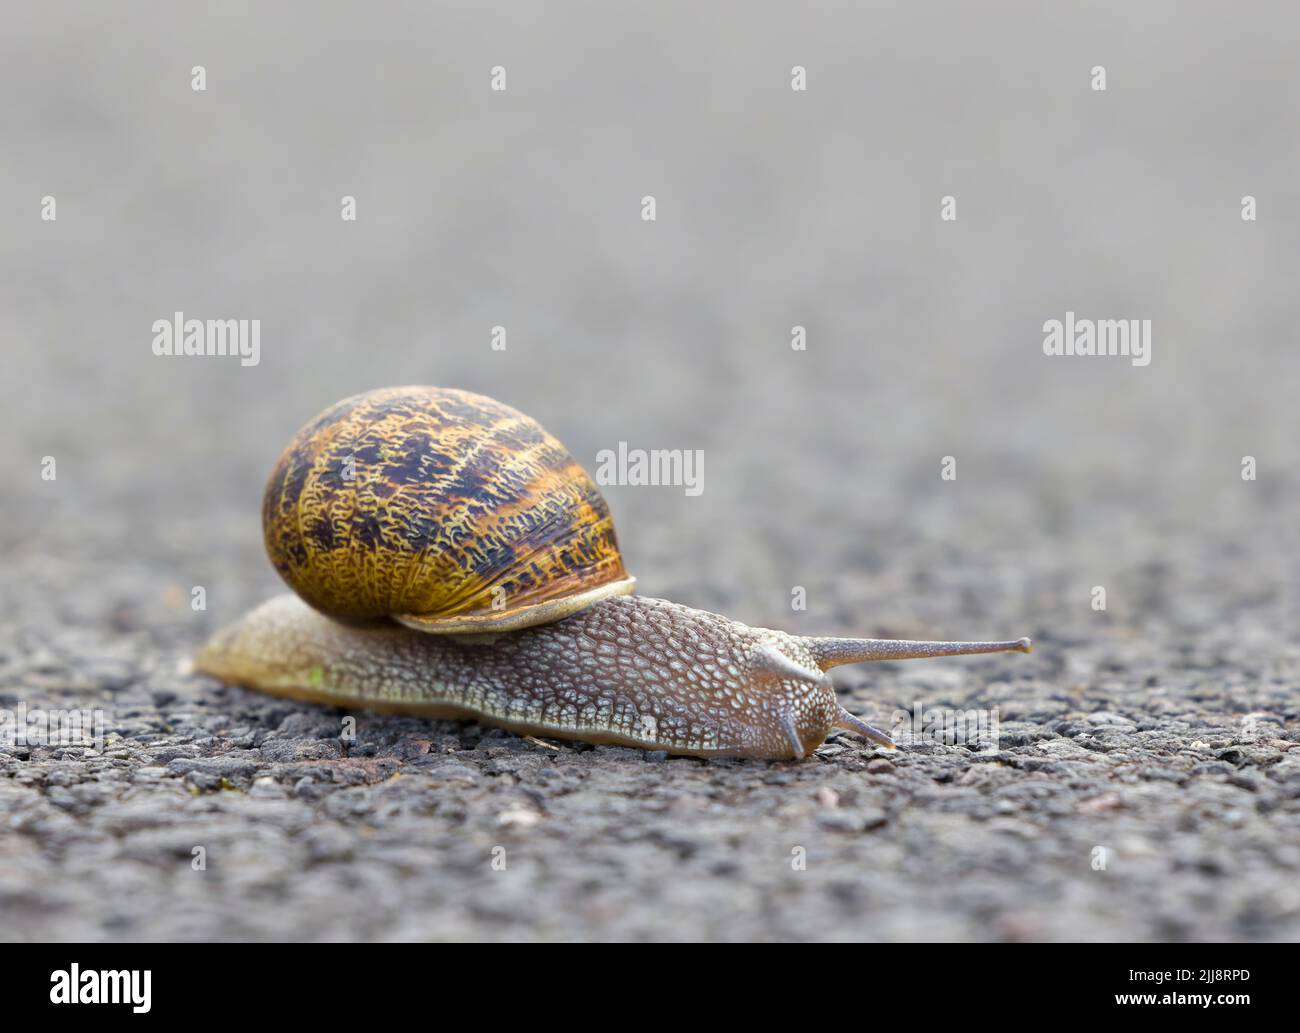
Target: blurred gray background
[{"x": 775, "y": 208}]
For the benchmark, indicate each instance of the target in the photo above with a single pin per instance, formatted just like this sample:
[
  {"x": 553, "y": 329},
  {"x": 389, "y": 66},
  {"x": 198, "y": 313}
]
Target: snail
[{"x": 450, "y": 558}]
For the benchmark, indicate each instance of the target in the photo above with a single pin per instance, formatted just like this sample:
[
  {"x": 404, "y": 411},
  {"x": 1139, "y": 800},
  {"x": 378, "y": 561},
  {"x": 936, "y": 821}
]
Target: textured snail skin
[{"x": 627, "y": 670}]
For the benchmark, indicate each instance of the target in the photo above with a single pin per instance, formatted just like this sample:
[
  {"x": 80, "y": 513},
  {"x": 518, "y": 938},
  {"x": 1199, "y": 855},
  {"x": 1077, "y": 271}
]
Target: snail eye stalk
[{"x": 832, "y": 652}]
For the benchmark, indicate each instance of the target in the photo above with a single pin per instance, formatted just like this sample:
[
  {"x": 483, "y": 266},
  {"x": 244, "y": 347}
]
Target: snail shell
[{"x": 441, "y": 509}]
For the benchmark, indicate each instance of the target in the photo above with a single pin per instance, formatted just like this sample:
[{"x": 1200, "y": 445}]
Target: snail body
[{"x": 570, "y": 654}]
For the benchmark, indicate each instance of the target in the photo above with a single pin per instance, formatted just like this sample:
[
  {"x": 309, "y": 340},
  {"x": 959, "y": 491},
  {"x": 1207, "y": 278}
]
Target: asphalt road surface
[{"x": 1144, "y": 782}]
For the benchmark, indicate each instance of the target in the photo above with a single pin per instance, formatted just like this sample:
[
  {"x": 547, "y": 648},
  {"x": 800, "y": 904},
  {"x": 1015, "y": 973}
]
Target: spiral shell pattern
[{"x": 442, "y": 509}]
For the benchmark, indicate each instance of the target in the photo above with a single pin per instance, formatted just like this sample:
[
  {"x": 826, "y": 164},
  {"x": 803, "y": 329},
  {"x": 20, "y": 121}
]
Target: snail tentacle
[
  {"x": 832, "y": 652},
  {"x": 770, "y": 659},
  {"x": 848, "y": 723}
]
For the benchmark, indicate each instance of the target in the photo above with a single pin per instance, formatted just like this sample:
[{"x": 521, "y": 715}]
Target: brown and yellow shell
[{"x": 442, "y": 509}]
